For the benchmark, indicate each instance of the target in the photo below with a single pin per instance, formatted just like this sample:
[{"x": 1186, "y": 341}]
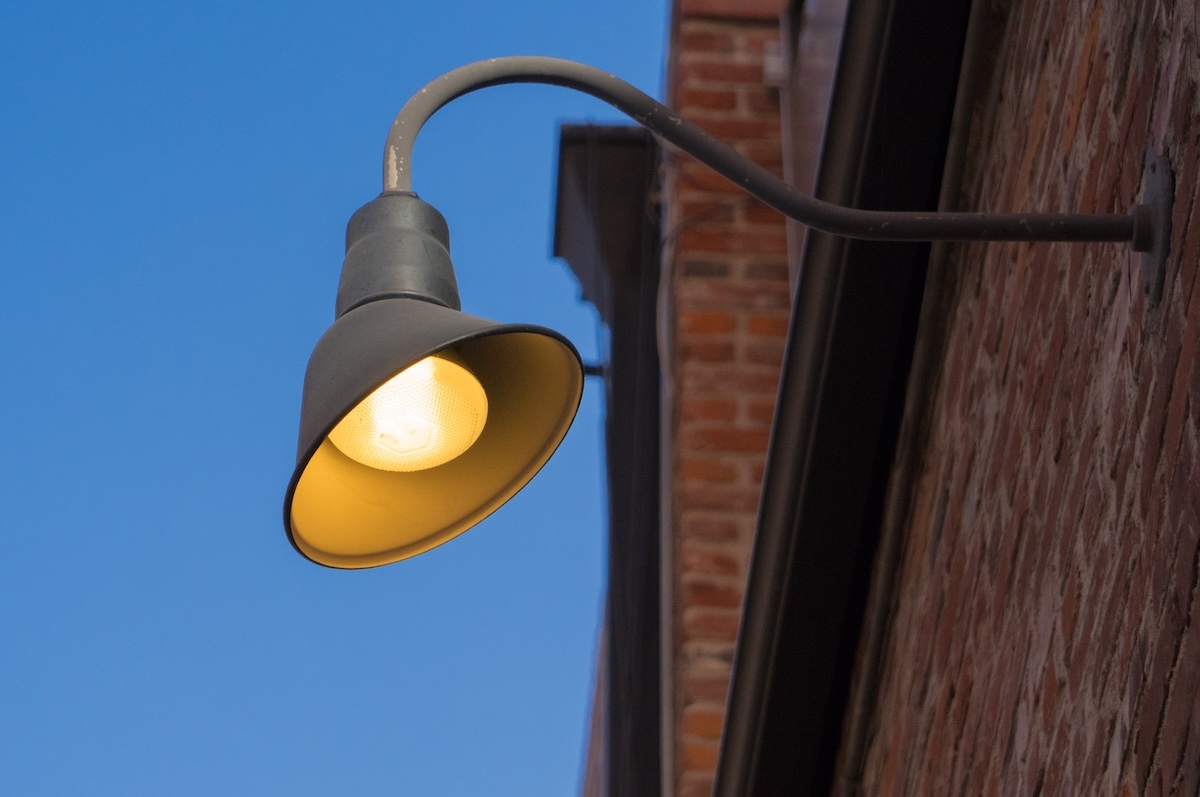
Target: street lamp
[{"x": 419, "y": 420}]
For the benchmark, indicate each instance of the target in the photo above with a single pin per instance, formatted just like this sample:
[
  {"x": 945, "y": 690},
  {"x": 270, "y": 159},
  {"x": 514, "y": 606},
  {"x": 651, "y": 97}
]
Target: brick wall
[
  {"x": 1045, "y": 635},
  {"x": 727, "y": 318}
]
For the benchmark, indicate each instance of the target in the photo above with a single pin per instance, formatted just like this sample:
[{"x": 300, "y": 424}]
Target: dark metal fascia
[{"x": 823, "y": 495}]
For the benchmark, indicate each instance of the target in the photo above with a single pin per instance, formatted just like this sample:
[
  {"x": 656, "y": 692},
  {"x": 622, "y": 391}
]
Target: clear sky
[{"x": 175, "y": 180}]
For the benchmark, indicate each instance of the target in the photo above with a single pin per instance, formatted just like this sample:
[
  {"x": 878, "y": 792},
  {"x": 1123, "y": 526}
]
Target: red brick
[
  {"x": 705, "y": 526},
  {"x": 696, "y": 784},
  {"x": 708, "y": 351},
  {"x": 766, "y": 101},
  {"x": 706, "y": 239},
  {"x": 697, "y": 239},
  {"x": 773, "y": 326},
  {"x": 734, "y": 129},
  {"x": 705, "y": 687},
  {"x": 732, "y": 381},
  {"x": 706, "y": 469},
  {"x": 718, "y": 73},
  {"x": 767, "y": 271},
  {"x": 733, "y": 9},
  {"x": 696, "y": 558},
  {"x": 708, "y": 409},
  {"x": 766, "y": 153},
  {"x": 705, "y": 723},
  {"x": 767, "y": 353},
  {"x": 700, "y": 755},
  {"x": 708, "y": 267},
  {"x": 712, "y": 595},
  {"x": 708, "y": 212},
  {"x": 698, "y": 177},
  {"x": 693, "y": 40},
  {"x": 713, "y": 624},
  {"x": 690, "y": 101},
  {"x": 725, "y": 439},
  {"x": 724, "y": 498},
  {"x": 755, "y": 39},
  {"x": 729, "y": 256},
  {"x": 705, "y": 321},
  {"x": 733, "y": 294},
  {"x": 758, "y": 213}
]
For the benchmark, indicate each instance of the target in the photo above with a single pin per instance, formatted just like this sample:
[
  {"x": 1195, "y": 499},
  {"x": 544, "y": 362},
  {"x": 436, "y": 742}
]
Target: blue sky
[{"x": 175, "y": 180}]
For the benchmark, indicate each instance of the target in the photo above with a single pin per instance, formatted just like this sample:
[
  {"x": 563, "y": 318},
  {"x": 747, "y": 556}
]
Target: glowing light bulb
[{"x": 422, "y": 417}]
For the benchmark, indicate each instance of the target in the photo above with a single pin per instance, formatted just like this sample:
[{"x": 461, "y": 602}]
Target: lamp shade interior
[{"x": 343, "y": 513}]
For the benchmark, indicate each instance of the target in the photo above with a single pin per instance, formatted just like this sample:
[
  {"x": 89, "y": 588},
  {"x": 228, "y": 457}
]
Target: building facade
[{"x": 928, "y": 517}]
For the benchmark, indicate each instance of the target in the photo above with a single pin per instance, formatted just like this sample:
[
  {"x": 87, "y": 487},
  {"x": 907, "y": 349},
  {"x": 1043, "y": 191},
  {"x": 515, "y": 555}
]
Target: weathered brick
[{"x": 1062, "y": 443}]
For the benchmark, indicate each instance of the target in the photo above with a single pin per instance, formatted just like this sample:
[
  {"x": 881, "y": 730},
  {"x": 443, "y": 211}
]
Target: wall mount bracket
[
  {"x": 1158, "y": 192},
  {"x": 1146, "y": 227}
]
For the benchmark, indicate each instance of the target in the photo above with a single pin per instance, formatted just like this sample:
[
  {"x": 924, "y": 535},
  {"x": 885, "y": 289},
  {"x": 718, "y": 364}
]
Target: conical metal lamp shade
[{"x": 341, "y": 513}]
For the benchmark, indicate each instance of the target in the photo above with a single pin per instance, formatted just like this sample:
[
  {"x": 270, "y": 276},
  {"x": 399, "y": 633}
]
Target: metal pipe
[{"x": 1135, "y": 227}]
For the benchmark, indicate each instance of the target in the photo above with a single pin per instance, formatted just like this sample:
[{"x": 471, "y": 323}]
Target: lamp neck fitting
[{"x": 397, "y": 246}]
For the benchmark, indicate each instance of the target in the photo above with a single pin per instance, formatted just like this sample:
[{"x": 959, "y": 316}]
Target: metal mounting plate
[{"x": 1158, "y": 194}]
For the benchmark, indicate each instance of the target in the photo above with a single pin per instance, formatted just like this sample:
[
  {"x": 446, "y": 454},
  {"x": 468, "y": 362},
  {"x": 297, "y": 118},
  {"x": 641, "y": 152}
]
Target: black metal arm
[{"x": 1136, "y": 227}]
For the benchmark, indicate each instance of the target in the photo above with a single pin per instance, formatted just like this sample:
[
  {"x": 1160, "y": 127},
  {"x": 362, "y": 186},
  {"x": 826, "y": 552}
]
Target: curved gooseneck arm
[{"x": 1136, "y": 227}]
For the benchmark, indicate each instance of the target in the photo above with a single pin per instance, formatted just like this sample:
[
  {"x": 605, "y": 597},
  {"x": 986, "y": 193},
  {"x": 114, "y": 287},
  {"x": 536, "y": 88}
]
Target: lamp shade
[
  {"x": 342, "y": 513},
  {"x": 425, "y": 452}
]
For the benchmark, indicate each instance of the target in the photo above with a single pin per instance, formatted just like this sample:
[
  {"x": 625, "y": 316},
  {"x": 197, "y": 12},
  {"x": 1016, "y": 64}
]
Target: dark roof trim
[
  {"x": 606, "y": 182},
  {"x": 840, "y": 403},
  {"x": 607, "y": 228}
]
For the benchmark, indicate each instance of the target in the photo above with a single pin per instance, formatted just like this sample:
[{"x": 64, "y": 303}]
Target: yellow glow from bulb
[{"x": 422, "y": 417}]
